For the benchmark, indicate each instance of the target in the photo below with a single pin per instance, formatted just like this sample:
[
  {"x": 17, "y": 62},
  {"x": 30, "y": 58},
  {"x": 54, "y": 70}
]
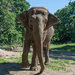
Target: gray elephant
[{"x": 39, "y": 31}]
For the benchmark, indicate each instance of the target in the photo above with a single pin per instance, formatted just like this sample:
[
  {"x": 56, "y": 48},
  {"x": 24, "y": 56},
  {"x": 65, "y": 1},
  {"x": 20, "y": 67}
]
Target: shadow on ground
[
  {"x": 65, "y": 52},
  {"x": 5, "y": 68}
]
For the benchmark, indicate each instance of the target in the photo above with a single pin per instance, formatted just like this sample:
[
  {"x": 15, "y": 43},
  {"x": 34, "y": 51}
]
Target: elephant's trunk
[{"x": 38, "y": 38}]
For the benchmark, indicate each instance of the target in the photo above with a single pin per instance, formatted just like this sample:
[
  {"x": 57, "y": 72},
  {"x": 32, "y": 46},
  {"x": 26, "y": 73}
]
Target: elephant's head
[{"x": 34, "y": 14}]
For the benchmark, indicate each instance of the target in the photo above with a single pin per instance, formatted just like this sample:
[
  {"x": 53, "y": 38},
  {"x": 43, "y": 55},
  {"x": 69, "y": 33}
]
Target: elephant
[{"x": 39, "y": 23}]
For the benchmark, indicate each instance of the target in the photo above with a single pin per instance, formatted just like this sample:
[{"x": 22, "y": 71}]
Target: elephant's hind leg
[{"x": 46, "y": 51}]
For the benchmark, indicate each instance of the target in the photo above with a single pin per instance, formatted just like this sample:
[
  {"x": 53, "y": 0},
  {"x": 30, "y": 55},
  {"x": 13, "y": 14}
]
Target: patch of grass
[
  {"x": 19, "y": 59},
  {"x": 65, "y": 47},
  {"x": 3, "y": 60},
  {"x": 66, "y": 61},
  {"x": 15, "y": 59},
  {"x": 73, "y": 63},
  {"x": 56, "y": 65},
  {"x": 60, "y": 64},
  {"x": 30, "y": 58}
]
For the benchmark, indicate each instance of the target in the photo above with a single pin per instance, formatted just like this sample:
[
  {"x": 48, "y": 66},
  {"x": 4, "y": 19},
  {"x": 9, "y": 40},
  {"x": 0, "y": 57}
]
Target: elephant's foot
[
  {"x": 46, "y": 62},
  {"x": 34, "y": 68}
]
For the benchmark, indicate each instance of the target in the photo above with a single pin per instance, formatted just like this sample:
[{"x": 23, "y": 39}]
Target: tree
[
  {"x": 64, "y": 31},
  {"x": 10, "y": 29}
]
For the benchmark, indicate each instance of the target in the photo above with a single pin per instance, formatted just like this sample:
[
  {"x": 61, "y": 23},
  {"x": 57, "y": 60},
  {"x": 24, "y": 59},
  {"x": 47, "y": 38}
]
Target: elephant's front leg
[
  {"x": 34, "y": 59},
  {"x": 25, "y": 62}
]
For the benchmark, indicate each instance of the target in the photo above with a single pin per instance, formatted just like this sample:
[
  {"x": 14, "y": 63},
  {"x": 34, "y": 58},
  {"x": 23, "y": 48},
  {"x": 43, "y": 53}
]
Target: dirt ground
[{"x": 15, "y": 68}]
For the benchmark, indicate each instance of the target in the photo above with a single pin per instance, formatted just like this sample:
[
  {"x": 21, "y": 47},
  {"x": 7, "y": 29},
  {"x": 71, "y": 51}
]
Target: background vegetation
[
  {"x": 12, "y": 32},
  {"x": 65, "y": 30}
]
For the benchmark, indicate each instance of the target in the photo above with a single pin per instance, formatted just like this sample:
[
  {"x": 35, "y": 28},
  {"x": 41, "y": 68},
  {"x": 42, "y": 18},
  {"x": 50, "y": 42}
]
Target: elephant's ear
[
  {"x": 23, "y": 18},
  {"x": 52, "y": 19}
]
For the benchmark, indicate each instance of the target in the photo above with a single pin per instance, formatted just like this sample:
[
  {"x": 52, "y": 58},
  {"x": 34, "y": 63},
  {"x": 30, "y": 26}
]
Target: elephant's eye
[
  {"x": 43, "y": 13},
  {"x": 40, "y": 12}
]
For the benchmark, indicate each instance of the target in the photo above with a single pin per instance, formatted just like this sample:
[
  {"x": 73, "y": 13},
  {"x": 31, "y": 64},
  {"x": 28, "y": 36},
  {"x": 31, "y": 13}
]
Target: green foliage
[
  {"x": 10, "y": 30},
  {"x": 65, "y": 30}
]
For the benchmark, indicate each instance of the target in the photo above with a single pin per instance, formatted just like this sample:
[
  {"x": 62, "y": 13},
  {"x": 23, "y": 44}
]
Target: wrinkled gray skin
[{"x": 39, "y": 31}]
